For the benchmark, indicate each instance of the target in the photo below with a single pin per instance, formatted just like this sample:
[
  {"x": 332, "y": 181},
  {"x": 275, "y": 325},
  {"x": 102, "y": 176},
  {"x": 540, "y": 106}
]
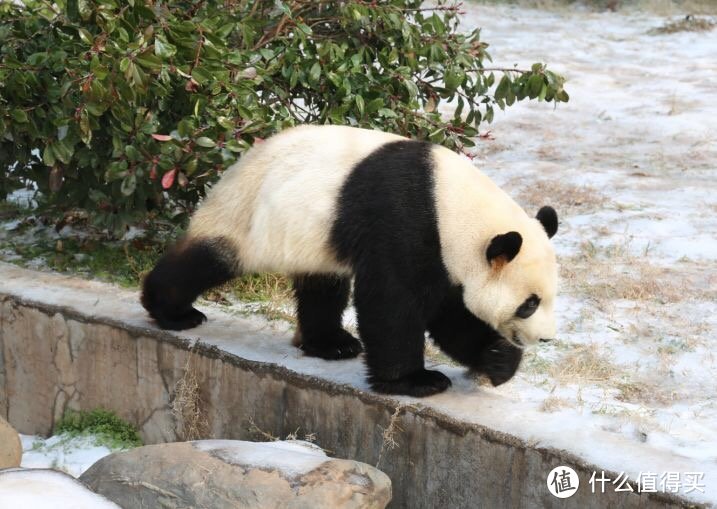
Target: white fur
[
  {"x": 277, "y": 206},
  {"x": 278, "y": 203},
  {"x": 471, "y": 211}
]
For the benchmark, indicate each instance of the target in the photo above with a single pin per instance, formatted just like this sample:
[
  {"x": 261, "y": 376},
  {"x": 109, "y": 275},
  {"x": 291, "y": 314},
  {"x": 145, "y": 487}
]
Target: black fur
[
  {"x": 180, "y": 276},
  {"x": 472, "y": 342},
  {"x": 549, "y": 219},
  {"x": 321, "y": 300},
  {"x": 506, "y": 246},
  {"x": 386, "y": 228}
]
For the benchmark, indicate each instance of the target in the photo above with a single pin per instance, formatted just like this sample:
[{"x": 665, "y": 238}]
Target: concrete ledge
[{"x": 73, "y": 344}]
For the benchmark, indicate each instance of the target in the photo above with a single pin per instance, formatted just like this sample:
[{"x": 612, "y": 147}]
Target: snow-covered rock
[
  {"x": 47, "y": 489},
  {"x": 10, "y": 447},
  {"x": 230, "y": 473}
]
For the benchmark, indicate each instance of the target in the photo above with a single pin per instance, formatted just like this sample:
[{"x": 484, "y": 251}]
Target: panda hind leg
[
  {"x": 321, "y": 300},
  {"x": 182, "y": 274}
]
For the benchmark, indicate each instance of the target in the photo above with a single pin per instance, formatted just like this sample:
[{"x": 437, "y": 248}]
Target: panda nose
[{"x": 544, "y": 340}]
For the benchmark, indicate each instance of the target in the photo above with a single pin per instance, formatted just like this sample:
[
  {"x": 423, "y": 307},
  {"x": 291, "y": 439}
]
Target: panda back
[{"x": 276, "y": 206}]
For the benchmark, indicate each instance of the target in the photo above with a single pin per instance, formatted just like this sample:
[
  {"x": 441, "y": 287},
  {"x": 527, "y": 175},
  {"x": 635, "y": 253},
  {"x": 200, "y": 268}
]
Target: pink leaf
[
  {"x": 168, "y": 179},
  {"x": 161, "y": 137}
]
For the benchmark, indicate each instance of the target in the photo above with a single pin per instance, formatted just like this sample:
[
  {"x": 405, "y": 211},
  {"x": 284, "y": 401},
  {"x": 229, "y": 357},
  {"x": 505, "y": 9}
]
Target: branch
[{"x": 499, "y": 69}]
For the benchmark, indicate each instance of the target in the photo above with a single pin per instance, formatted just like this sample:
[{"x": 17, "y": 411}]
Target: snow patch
[
  {"x": 47, "y": 489},
  {"x": 292, "y": 458}
]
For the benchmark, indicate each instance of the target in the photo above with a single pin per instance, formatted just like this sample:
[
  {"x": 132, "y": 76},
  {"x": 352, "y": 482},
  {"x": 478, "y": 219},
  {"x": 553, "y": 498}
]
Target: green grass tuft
[{"x": 107, "y": 429}]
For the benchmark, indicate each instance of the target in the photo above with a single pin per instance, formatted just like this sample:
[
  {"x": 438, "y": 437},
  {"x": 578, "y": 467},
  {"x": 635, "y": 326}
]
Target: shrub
[
  {"x": 129, "y": 109},
  {"x": 103, "y": 425}
]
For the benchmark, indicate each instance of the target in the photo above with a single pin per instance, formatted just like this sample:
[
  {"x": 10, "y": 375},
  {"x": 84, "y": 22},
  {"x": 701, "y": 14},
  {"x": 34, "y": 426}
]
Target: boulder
[
  {"x": 220, "y": 474},
  {"x": 39, "y": 488},
  {"x": 10, "y": 446}
]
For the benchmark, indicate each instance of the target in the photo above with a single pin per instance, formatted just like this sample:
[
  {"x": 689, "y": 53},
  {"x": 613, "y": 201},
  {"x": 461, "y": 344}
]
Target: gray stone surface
[
  {"x": 10, "y": 446},
  {"x": 226, "y": 474}
]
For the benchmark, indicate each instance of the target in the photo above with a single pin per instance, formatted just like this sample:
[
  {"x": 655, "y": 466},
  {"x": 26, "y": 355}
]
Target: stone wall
[{"x": 54, "y": 358}]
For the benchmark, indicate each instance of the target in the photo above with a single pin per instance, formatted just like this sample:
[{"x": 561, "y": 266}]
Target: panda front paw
[
  {"x": 180, "y": 321},
  {"x": 335, "y": 346},
  {"x": 499, "y": 362},
  {"x": 420, "y": 383}
]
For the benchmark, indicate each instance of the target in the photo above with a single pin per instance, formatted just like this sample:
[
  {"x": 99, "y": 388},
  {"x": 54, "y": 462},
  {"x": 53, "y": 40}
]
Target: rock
[
  {"x": 40, "y": 488},
  {"x": 221, "y": 474},
  {"x": 10, "y": 446}
]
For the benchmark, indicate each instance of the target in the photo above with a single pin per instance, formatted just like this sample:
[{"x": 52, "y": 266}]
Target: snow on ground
[
  {"x": 630, "y": 163},
  {"x": 70, "y": 454}
]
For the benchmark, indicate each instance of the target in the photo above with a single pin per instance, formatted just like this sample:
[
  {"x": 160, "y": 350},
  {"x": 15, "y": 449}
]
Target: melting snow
[{"x": 291, "y": 457}]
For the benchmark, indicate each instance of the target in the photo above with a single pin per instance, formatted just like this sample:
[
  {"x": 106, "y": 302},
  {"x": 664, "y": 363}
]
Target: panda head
[{"x": 516, "y": 287}]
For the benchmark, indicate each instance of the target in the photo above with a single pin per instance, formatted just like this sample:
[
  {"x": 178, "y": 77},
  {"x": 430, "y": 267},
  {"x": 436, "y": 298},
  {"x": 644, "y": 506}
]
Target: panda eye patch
[{"x": 528, "y": 307}]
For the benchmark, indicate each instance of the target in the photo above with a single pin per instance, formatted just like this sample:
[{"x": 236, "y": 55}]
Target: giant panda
[{"x": 431, "y": 243}]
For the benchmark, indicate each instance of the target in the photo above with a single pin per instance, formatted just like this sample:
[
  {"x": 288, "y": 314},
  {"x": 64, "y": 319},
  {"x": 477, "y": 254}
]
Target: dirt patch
[
  {"x": 641, "y": 392},
  {"x": 689, "y": 23},
  {"x": 564, "y": 197}
]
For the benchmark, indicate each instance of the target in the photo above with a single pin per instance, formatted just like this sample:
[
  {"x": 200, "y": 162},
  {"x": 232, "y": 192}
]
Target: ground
[{"x": 629, "y": 163}]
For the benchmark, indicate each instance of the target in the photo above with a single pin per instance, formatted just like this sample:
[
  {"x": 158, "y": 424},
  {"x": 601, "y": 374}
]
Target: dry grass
[
  {"x": 678, "y": 104},
  {"x": 265, "y": 287},
  {"x": 607, "y": 273},
  {"x": 565, "y": 198},
  {"x": 272, "y": 293},
  {"x": 584, "y": 364},
  {"x": 641, "y": 392},
  {"x": 389, "y": 433},
  {"x": 555, "y": 403},
  {"x": 689, "y": 23},
  {"x": 187, "y": 406}
]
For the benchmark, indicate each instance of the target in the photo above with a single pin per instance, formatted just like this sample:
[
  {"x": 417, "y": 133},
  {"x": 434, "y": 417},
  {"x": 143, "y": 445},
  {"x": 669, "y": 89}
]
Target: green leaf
[
  {"x": 85, "y": 36},
  {"x": 149, "y": 60},
  {"x": 237, "y": 145},
  {"x": 412, "y": 89},
  {"x": 129, "y": 184},
  {"x": 205, "y": 142},
  {"x": 163, "y": 49},
  {"x": 359, "y": 104},
  {"x": 19, "y": 116},
  {"x": 374, "y": 105},
  {"x": 385, "y": 112},
  {"x": 315, "y": 72},
  {"x": 543, "y": 91},
  {"x": 48, "y": 157},
  {"x": 453, "y": 79},
  {"x": 535, "y": 85},
  {"x": 502, "y": 90},
  {"x": 132, "y": 153}
]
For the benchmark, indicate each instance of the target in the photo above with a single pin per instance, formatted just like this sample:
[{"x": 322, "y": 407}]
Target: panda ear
[
  {"x": 549, "y": 219},
  {"x": 503, "y": 248}
]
